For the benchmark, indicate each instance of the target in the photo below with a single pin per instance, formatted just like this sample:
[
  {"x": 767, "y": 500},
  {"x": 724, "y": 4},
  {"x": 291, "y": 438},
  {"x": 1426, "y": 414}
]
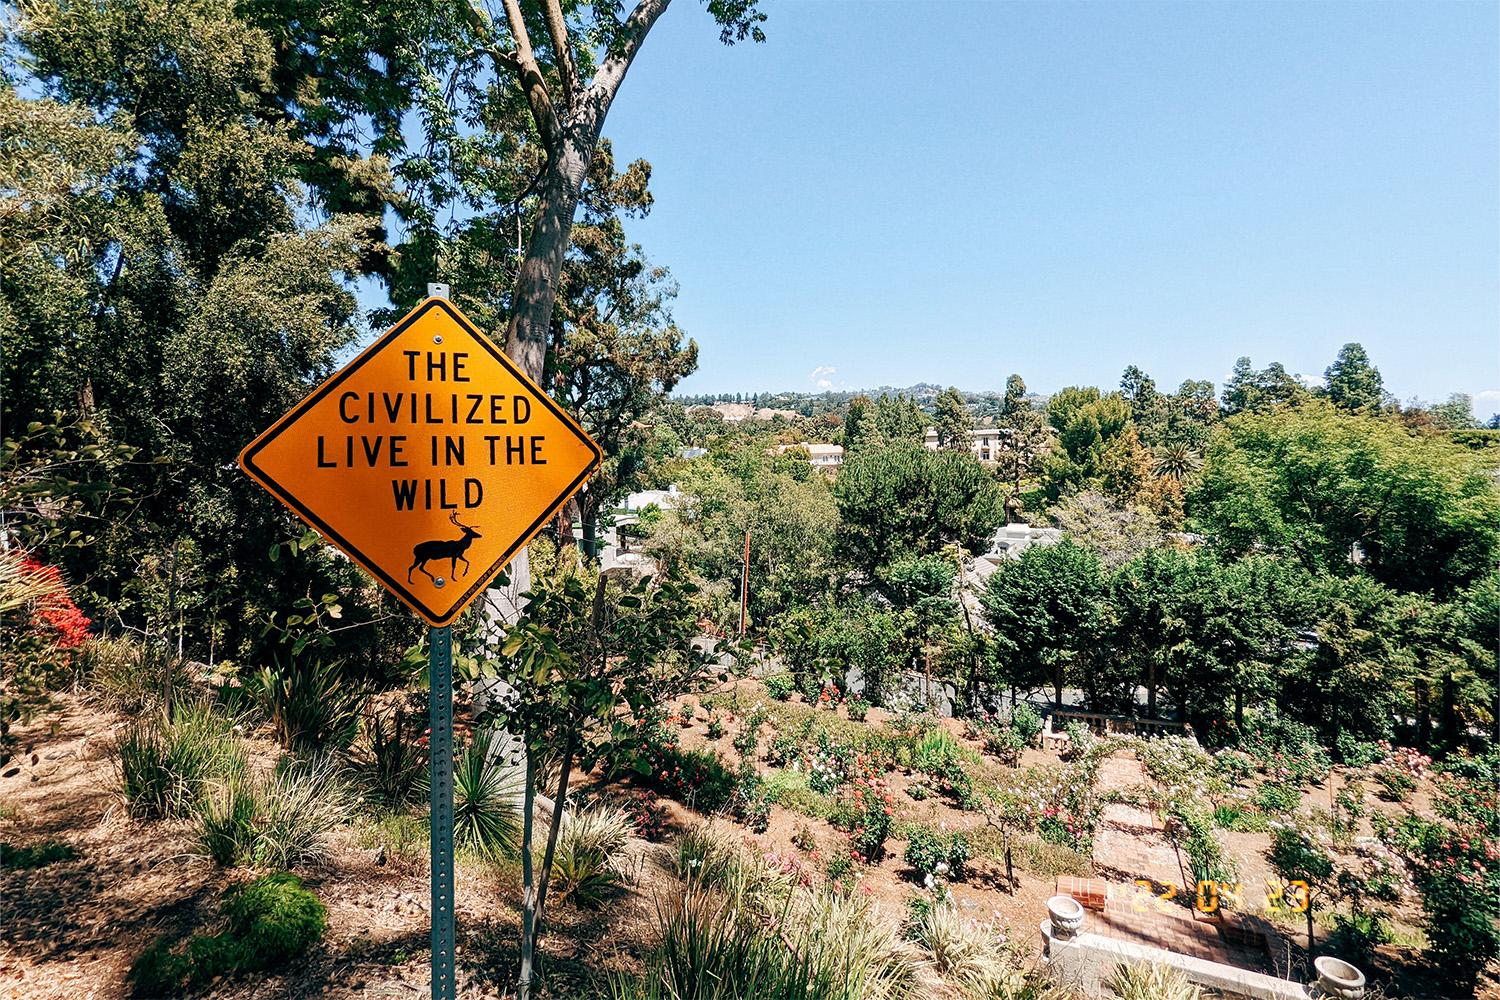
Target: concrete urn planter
[
  {"x": 1339, "y": 979},
  {"x": 1067, "y": 915}
]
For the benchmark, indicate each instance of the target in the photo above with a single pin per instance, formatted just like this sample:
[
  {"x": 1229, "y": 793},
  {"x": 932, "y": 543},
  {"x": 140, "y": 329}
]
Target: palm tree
[{"x": 1175, "y": 461}]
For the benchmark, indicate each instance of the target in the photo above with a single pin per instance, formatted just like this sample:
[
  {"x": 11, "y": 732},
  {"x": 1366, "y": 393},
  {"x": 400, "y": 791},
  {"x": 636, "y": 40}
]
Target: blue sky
[{"x": 904, "y": 192}]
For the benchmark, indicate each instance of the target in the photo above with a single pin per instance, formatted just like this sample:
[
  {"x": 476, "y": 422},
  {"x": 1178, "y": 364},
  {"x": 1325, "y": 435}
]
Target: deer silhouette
[{"x": 443, "y": 548}]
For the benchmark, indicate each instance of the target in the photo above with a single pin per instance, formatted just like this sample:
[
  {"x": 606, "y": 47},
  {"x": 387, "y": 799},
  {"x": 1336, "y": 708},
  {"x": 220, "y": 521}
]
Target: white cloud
[
  {"x": 819, "y": 377},
  {"x": 1486, "y": 403}
]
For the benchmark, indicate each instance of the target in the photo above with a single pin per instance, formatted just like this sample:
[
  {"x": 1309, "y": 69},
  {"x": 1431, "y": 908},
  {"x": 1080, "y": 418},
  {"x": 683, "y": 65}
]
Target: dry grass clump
[
  {"x": 966, "y": 952},
  {"x": 1149, "y": 981},
  {"x": 748, "y": 934}
]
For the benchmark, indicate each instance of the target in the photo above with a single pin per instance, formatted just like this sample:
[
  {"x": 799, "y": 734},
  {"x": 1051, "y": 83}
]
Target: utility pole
[{"x": 745, "y": 583}]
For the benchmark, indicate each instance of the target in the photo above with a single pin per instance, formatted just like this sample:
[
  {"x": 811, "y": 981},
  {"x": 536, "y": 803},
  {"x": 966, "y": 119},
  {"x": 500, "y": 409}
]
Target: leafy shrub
[
  {"x": 823, "y": 772},
  {"x": 1234, "y": 765},
  {"x": 1355, "y": 937},
  {"x": 699, "y": 777},
  {"x": 941, "y": 756},
  {"x": 803, "y": 839},
  {"x": 931, "y": 853},
  {"x": 748, "y": 738},
  {"x": 858, "y": 708},
  {"x": 1356, "y": 753},
  {"x": 268, "y": 922},
  {"x": 486, "y": 810},
  {"x": 1206, "y": 856},
  {"x": 783, "y": 749},
  {"x": 309, "y": 702},
  {"x": 867, "y": 810},
  {"x": 715, "y": 730},
  {"x": 918, "y": 791},
  {"x": 164, "y": 768},
  {"x": 1151, "y": 981},
  {"x": 780, "y": 686},
  {"x": 392, "y": 759},
  {"x": 35, "y": 855},
  {"x": 1396, "y": 786},
  {"x": 1287, "y": 750},
  {"x": 1295, "y": 855},
  {"x": 1275, "y": 797},
  {"x": 1026, "y": 721},
  {"x": 753, "y": 799}
]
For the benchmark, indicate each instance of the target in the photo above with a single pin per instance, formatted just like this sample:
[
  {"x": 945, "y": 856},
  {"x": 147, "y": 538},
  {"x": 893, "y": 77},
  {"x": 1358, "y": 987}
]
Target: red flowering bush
[
  {"x": 1458, "y": 867},
  {"x": 43, "y": 630}
]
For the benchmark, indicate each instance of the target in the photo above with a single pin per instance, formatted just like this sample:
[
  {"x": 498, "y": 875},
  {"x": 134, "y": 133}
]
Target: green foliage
[
  {"x": 283, "y": 820},
  {"x": 486, "y": 794},
  {"x": 1396, "y": 785},
  {"x": 37, "y": 855},
  {"x": 310, "y": 703},
  {"x": 1045, "y": 609},
  {"x": 1315, "y": 481},
  {"x": 1276, "y": 797},
  {"x": 1230, "y": 817},
  {"x": 391, "y": 761},
  {"x": 164, "y": 768},
  {"x": 818, "y": 945},
  {"x": 129, "y": 675},
  {"x": 780, "y": 686},
  {"x": 858, "y": 708},
  {"x": 964, "y": 951},
  {"x": 903, "y": 501},
  {"x": 588, "y": 844},
  {"x": 705, "y": 853},
  {"x": 1288, "y": 750},
  {"x": 1295, "y": 854},
  {"x": 927, "y": 850},
  {"x": 1352, "y": 382},
  {"x": 268, "y": 923},
  {"x": 1207, "y": 858}
]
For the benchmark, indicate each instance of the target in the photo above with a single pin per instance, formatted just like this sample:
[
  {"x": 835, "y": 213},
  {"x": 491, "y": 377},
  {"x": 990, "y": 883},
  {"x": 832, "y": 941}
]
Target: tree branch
[
  {"x": 567, "y": 71},
  {"x": 611, "y": 71},
  {"x": 532, "y": 81}
]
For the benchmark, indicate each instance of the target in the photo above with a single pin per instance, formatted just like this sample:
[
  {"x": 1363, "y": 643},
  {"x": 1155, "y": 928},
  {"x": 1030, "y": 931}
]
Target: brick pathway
[{"x": 1129, "y": 844}]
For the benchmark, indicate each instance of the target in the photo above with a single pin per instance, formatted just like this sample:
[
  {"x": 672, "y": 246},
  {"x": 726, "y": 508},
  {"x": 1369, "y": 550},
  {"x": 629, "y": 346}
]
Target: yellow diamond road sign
[{"x": 429, "y": 459}]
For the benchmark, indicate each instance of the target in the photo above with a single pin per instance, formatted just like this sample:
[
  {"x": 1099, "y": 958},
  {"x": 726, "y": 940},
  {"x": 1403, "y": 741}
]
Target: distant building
[
  {"x": 984, "y": 442},
  {"x": 666, "y": 499},
  {"x": 827, "y": 457},
  {"x": 692, "y": 453}
]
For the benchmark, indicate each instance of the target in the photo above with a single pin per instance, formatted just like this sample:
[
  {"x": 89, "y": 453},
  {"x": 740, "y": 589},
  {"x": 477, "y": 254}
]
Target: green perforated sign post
[{"x": 440, "y": 741}]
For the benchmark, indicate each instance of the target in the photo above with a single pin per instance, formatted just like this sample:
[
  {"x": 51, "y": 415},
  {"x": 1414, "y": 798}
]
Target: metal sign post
[{"x": 440, "y": 742}]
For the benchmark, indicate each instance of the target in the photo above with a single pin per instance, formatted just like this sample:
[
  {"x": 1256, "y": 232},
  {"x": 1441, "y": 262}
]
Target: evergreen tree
[{"x": 1353, "y": 383}]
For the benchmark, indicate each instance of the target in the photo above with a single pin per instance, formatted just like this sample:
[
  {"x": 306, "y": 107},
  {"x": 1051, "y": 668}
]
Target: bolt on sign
[{"x": 429, "y": 459}]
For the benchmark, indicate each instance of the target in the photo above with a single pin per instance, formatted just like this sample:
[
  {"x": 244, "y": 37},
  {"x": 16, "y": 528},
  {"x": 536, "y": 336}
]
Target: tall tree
[
  {"x": 1353, "y": 383},
  {"x": 904, "y": 500},
  {"x": 952, "y": 419},
  {"x": 1045, "y": 609},
  {"x": 900, "y": 418}
]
